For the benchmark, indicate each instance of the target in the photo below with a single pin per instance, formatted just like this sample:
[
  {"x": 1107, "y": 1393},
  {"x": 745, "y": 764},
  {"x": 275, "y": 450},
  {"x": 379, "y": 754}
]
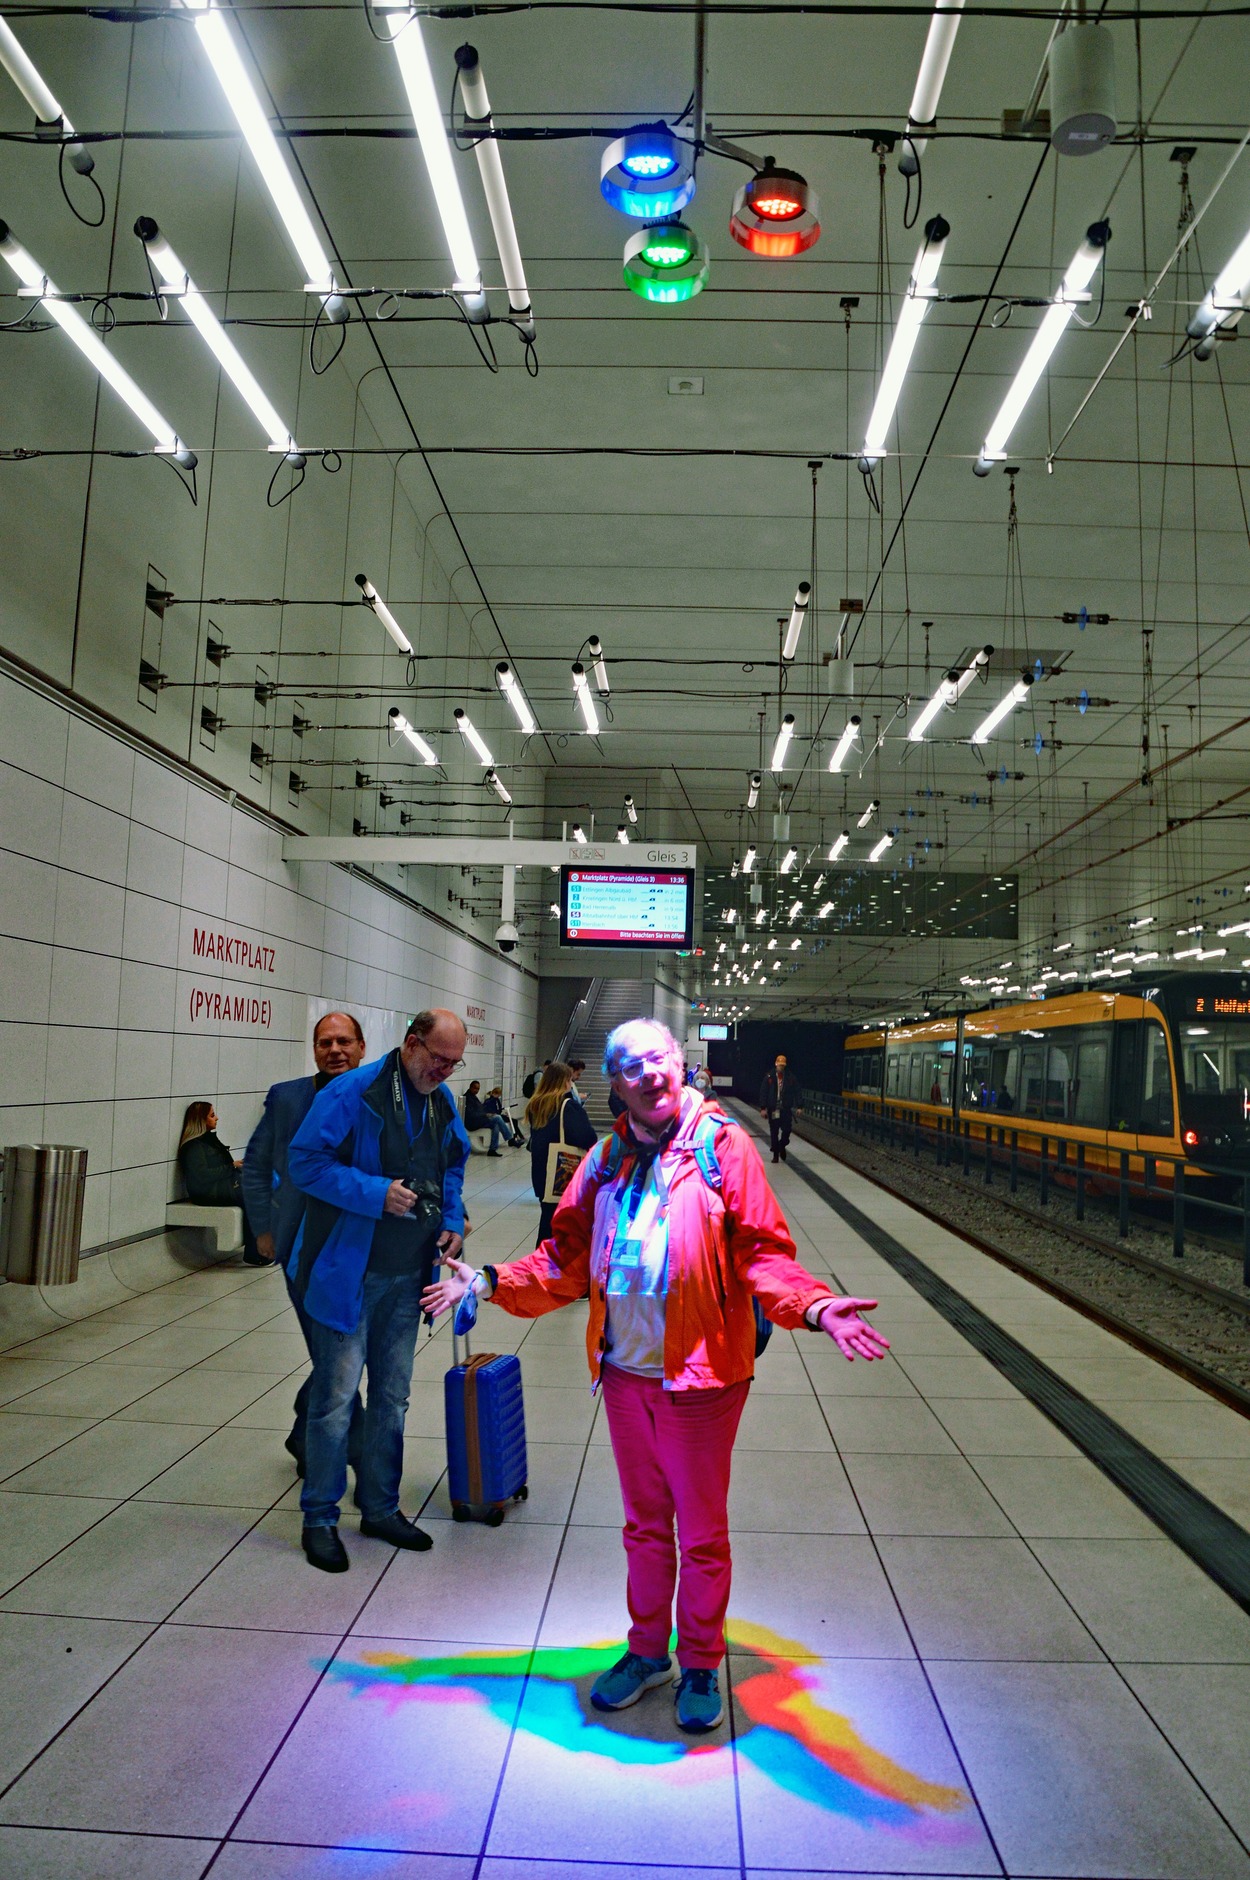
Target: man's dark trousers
[
  {"x": 779, "y": 1122},
  {"x": 384, "y": 1342}
]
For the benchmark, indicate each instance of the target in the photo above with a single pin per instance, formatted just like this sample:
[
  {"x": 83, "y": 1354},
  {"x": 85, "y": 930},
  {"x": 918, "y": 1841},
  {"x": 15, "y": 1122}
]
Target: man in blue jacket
[
  {"x": 275, "y": 1207},
  {"x": 380, "y": 1159}
]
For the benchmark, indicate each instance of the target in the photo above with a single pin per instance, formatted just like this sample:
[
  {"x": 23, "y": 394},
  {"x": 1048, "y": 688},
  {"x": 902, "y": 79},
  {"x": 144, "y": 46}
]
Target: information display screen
[
  {"x": 713, "y": 1034},
  {"x": 626, "y": 907},
  {"x": 1217, "y": 1004}
]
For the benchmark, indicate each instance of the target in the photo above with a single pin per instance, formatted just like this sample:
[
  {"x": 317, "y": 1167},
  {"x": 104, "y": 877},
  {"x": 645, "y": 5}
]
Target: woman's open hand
[
  {"x": 853, "y": 1336},
  {"x": 445, "y": 1294}
]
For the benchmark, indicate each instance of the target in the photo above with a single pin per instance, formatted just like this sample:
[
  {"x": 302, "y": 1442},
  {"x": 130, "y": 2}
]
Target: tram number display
[
  {"x": 1217, "y": 1005},
  {"x": 626, "y": 907}
]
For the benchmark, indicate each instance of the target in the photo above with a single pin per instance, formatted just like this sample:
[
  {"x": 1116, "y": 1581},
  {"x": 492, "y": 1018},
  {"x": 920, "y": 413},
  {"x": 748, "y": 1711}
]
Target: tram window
[
  {"x": 1005, "y": 1077},
  {"x": 1032, "y": 1080},
  {"x": 1060, "y": 1063},
  {"x": 1156, "y": 1107},
  {"x": 1089, "y": 1091},
  {"x": 874, "y": 1070},
  {"x": 1240, "y": 1056},
  {"x": 976, "y": 1093},
  {"x": 891, "y": 1073}
]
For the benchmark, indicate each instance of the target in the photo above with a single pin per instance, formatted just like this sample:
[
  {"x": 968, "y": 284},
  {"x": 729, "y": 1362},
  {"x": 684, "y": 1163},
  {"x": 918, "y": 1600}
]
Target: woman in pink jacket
[{"x": 672, "y": 1231}]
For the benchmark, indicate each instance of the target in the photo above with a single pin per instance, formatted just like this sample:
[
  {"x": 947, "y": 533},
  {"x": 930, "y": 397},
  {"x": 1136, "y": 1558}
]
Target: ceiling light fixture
[
  {"x": 788, "y": 860},
  {"x": 842, "y": 747},
  {"x": 493, "y": 779},
  {"x": 1072, "y": 291},
  {"x": 945, "y": 695},
  {"x": 579, "y": 834},
  {"x": 748, "y": 860},
  {"x": 782, "y": 744},
  {"x": 509, "y": 685},
  {"x": 796, "y": 909},
  {"x": 400, "y": 723},
  {"x": 174, "y": 281},
  {"x": 49, "y": 114},
  {"x": 798, "y": 614},
  {"x": 761, "y": 916},
  {"x": 647, "y": 173},
  {"x": 886, "y": 842},
  {"x": 234, "y": 79},
  {"x": 840, "y": 843},
  {"x": 495, "y": 188},
  {"x": 473, "y": 737},
  {"x": 1143, "y": 920},
  {"x": 776, "y": 214},
  {"x": 921, "y": 292},
  {"x": 373, "y": 600},
  {"x": 581, "y": 691},
  {"x": 1224, "y": 303},
  {"x": 630, "y": 811},
  {"x": 753, "y": 789},
  {"x": 84, "y": 336},
  {"x": 666, "y": 263},
  {"x": 934, "y": 60},
  {"x": 1005, "y": 706},
  {"x": 598, "y": 665},
  {"x": 622, "y": 834},
  {"x": 826, "y": 909},
  {"x": 404, "y": 25}
]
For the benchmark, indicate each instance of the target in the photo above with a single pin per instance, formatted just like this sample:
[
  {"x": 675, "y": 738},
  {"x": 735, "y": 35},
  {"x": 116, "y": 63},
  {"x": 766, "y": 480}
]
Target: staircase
[{"x": 609, "y": 1003}]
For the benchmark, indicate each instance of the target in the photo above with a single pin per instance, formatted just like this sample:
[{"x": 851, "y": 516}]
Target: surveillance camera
[{"x": 507, "y": 939}]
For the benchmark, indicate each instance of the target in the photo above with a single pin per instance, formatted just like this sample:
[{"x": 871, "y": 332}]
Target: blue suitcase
[{"x": 486, "y": 1462}]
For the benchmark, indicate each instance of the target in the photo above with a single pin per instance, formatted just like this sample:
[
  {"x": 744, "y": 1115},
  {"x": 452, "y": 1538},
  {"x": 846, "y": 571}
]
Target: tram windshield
[{"x": 1216, "y": 1060}]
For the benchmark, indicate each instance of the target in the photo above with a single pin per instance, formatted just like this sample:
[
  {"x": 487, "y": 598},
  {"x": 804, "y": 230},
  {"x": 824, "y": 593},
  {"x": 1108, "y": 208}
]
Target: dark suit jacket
[
  {"x": 790, "y": 1096},
  {"x": 274, "y": 1206}
]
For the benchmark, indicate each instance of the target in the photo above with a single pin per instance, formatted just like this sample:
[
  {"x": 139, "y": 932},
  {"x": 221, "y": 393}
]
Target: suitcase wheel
[
  {"x": 523, "y": 1493},
  {"x": 495, "y": 1518},
  {"x": 460, "y": 1511}
]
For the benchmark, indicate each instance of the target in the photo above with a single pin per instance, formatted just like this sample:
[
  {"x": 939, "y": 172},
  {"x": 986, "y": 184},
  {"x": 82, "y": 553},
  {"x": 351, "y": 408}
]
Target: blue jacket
[
  {"x": 335, "y": 1155},
  {"x": 273, "y": 1204}
]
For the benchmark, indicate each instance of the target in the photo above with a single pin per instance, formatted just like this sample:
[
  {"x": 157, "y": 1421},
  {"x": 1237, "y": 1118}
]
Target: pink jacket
[{"x": 722, "y": 1248}]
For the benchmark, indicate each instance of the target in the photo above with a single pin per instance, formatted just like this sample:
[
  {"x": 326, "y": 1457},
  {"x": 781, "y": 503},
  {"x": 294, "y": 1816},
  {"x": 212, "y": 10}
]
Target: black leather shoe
[
  {"x": 324, "y": 1549},
  {"x": 783, "y": 1155},
  {"x": 295, "y": 1451},
  {"x": 399, "y": 1531}
]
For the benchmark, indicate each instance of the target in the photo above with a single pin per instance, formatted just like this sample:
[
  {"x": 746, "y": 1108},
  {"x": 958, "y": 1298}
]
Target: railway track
[{"x": 1226, "y": 1389}]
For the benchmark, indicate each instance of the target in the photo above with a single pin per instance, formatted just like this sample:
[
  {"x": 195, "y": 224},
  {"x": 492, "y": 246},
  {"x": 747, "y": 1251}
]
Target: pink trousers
[{"x": 673, "y": 1451}]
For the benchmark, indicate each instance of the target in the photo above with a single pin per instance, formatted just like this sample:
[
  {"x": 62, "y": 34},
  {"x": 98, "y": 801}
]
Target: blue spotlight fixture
[{"x": 647, "y": 173}]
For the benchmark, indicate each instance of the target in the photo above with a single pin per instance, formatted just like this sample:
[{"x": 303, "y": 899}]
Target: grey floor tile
[
  {"x": 205, "y": 1397},
  {"x": 1132, "y": 1378},
  {"x": 809, "y": 1495},
  {"x": 1144, "y": 1600},
  {"x": 500, "y": 1575},
  {"x": 132, "y": 1763},
  {"x": 24, "y": 1438},
  {"x": 832, "y": 1376},
  {"x": 827, "y": 1593},
  {"x": 368, "y": 1763},
  {"x": 554, "y": 1469},
  {"x": 847, "y": 1766},
  {"x": 924, "y": 1495},
  {"x": 553, "y": 1416},
  {"x": 273, "y": 1410},
  {"x": 1227, "y": 1484},
  {"x": 1075, "y": 1779},
  {"x": 587, "y": 1602},
  {"x": 1204, "y": 1711},
  {"x": 265, "y": 1581},
  {"x": 112, "y": 1458},
  {"x": 504, "y": 1869},
  {"x": 255, "y": 1860},
  {"x": 923, "y": 1338},
  {"x": 50, "y": 1668},
  {"x": 230, "y": 1468},
  {"x": 780, "y": 1372},
  {"x": 1187, "y": 1429},
  {"x": 788, "y": 1424},
  {"x": 66, "y": 1854},
  {"x": 96, "y": 1390},
  {"x": 957, "y": 1376},
  {"x": 598, "y": 1501},
  {"x": 34, "y": 1527},
  {"x": 898, "y": 1426},
  {"x": 982, "y": 1599},
  {"x": 93, "y": 1338},
  {"x": 137, "y": 1563},
  {"x": 255, "y": 1351},
  {"x": 994, "y": 1426},
  {"x": 1062, "y": 1495},
  {"x": 18, "y": 1376},
  {"x": 175, "y": 1346}
]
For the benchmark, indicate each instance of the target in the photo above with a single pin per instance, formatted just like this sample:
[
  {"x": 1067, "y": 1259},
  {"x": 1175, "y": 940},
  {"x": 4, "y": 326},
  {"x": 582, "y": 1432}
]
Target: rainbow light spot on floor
[{"x": 784, "y": 1729}]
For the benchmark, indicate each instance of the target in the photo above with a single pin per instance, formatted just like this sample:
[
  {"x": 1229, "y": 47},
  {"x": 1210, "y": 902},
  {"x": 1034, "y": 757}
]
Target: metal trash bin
[{"x": 45, "y": 1184}]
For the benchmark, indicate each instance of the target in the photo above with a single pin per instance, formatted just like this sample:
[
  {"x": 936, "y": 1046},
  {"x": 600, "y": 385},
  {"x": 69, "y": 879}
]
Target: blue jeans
[
  {"x": 382, "y": 1344},
  {"x": 297, "y": 1442}
]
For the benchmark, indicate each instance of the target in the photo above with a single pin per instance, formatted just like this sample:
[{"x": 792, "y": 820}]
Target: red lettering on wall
[{"x": 210, "y": 943}]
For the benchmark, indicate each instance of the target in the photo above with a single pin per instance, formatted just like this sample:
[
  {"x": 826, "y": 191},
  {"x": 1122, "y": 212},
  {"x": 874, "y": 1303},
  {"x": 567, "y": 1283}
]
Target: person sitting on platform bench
[
  {"x": 210, "y": 1173},
  {"x": 477, "y": 1116},
  {"x": 494, "y": 1105},
  {"x": 275, "y": 1206}
]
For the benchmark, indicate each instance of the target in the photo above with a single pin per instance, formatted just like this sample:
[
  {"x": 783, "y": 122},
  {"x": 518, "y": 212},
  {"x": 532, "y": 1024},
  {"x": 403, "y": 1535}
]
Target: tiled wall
[{"x": 109, "y": 862}]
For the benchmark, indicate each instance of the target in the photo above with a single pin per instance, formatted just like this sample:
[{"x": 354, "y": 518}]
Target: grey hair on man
[{"x": 616, "y": 1050}]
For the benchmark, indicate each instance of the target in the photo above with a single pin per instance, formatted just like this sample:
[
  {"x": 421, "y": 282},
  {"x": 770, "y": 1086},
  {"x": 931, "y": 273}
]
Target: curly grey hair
[{"x": 615, "y": 1050}]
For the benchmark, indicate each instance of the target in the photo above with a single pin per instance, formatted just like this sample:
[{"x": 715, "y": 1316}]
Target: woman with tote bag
[{"x": 560, "y": 1134}]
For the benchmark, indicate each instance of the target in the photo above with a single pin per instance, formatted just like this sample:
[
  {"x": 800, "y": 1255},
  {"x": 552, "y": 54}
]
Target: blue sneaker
[
  {"x": 624, "y": 1683},
  {"x": 699, "y": 1708}
]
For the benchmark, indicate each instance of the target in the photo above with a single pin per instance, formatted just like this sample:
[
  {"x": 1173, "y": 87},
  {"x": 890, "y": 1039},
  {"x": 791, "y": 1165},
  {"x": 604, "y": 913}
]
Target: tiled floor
[{"x": 955, "y": 1648}]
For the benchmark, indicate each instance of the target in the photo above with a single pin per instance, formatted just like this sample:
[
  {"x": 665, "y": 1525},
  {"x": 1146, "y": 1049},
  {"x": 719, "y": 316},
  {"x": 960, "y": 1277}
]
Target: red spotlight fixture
[{"x": 776, "y": 214}]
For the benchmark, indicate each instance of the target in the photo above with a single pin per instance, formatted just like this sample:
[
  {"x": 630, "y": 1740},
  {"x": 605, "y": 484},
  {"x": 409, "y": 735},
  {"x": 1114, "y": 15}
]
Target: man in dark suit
[
  {"x": 274, "y": 1206},
  {"x": 780, "y": 1100}
]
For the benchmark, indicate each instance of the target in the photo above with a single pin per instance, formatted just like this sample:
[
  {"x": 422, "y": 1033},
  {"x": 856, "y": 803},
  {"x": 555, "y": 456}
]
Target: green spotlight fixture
[{"x": 666, "y": 262}]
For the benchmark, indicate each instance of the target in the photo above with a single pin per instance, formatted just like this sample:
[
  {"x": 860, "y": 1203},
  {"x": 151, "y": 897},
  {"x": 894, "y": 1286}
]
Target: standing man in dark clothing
[
  {"x": 381, "y": 1158},
  {"x": 781, "y": 1100},
  {"x": 275, "y": 1207}
]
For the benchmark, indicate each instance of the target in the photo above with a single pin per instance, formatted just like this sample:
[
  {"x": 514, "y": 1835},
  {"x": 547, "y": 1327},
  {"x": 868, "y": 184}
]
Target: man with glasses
[
  {"x": 380, "y": 1157},
  {"x": 671, "y": 1230}
]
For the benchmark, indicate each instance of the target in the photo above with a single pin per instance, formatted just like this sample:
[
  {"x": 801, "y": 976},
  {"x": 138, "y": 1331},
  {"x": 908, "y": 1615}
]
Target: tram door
[{"x": 1142, "y": 1115}]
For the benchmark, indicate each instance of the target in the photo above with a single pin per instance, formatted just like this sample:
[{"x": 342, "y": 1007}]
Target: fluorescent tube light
[
  {"x": 886, "y": 842},
  {"x": 782, "y": 744},
  {"x": 971, "y": 670},
  {"x": 753, "y": 789},
  {"x": 868, "y": 814},
  {"x": 587, "y": 705},
  {"x": 622, "y": 836},
  {"x": 844, "y": 743},
  {"x": 509, "y": 686},
  {"x": 400, "y": 723},
  {"x": 373, "y": 600},
  {"x": 630, "y": 811},
  {"x": 598, "y": 665},
  {"x": 1065, "y": 946},
  {"x": 473, "y": 737},
  {"x": 495, "y": 188},
  {"x": 1143, "y": 957},
  {"x": 88, "y": 342},
  {"x": 493, "y": 779},
  {"x": 922, "y": 116},
  {"x": 1072, "y": 291},
  {"x": 253, "y": 121},
  {"x": 1241, "y": 926},
  {"x": 796, "y": 909},
  {"x": 920, "y": 293},
  {"x": 748, "y": 860},
  {"x": 1225, "y": 302},
  {"x": 1145, "y": 920},
  {"x": 427, "y": 115},
  {"x": 579, "y": 834},
  {"x": 798, "y": 614},
  {"x": 839, "y": 844},
  {"x": 826, "y": 909},
  {"x": 794, "y": 944},
  {"x": 946, "y": 694},
  {"x": 47, "y": 109},
  {"x": 788, "y": 860},
  {"x": 761, "y": 916},
  {"x": 1005, "y": 706},
  {"x": 174, "y": 281},
  {"x": 1212, "y": 953}
]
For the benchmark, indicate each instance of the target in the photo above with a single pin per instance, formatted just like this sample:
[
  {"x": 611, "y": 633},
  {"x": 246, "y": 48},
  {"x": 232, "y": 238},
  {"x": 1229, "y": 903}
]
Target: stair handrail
[{"x": 588, "y": 999}]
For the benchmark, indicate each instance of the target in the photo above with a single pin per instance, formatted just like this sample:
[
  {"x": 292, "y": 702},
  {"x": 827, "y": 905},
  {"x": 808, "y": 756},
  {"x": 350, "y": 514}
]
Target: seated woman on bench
[
  {"x": 210, "y": 1174},
  {"x": 477, "y": 1116}
]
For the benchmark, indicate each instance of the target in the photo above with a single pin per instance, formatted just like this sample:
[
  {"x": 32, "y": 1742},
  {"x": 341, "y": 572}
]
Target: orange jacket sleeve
[
  {"x": 759, "y": 1242},
  {"x": 558, "y": 1270}
]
